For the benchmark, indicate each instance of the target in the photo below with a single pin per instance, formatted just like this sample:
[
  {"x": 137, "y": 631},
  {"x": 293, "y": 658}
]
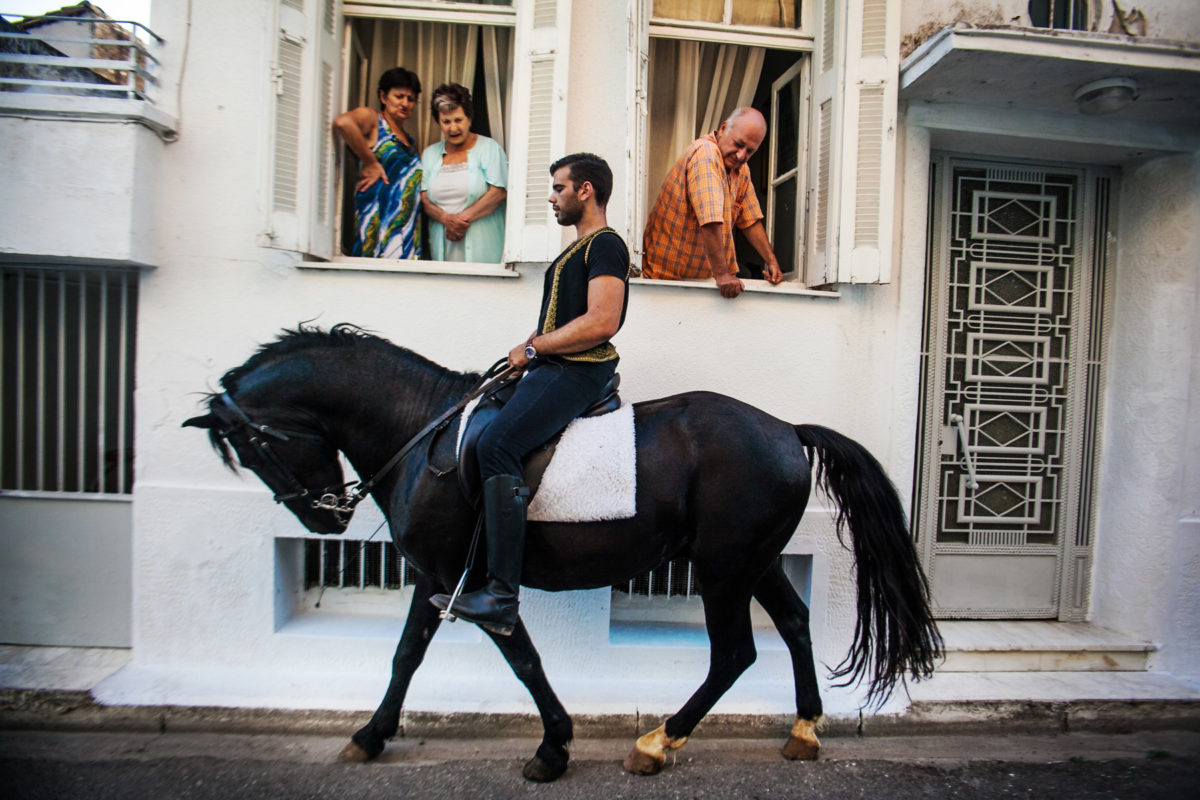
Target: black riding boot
[{"x": 495, "y": 606}]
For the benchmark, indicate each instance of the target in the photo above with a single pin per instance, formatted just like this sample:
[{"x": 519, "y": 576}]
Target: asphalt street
[{"x": 142, "y": 766}]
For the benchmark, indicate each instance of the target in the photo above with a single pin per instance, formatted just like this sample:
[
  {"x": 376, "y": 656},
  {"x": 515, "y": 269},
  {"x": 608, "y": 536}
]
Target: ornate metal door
[{"x": 1014, "y": 312}]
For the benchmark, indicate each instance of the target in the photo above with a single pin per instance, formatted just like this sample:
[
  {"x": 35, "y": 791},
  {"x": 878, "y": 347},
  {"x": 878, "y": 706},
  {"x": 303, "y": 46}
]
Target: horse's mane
[
  {"x": 341, "y": 335},
  {"x": 432, "y": 376}
]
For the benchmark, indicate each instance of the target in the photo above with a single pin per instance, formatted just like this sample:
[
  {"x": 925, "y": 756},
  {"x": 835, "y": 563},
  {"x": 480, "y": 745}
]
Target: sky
[{"x": 136, "y": 10}]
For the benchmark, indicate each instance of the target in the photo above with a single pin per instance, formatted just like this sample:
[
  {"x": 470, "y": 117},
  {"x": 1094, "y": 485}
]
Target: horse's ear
[{"x": 207, "y": 421}]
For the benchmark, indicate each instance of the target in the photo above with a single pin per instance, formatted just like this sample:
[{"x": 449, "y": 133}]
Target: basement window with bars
[
  {"x": 66, "y": 388},
  {"x": 660, "y": 601},
  {"x": 669, "y": 595},
  {"x": 349, "y": 564}
]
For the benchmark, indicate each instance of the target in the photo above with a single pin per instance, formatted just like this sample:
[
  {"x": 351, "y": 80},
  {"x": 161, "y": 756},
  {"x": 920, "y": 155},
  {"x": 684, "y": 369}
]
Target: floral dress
[{"x": 388, "y": 215}]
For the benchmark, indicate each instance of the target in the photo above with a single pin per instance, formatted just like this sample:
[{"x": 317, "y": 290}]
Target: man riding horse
[{"x": 568, "y": 361}]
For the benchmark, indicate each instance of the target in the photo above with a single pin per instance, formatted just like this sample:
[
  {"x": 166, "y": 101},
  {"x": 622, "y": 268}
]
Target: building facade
[{"x": 990, "y": 285}]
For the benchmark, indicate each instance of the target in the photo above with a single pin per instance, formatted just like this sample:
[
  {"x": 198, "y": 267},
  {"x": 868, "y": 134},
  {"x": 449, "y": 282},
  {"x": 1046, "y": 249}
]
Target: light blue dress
[{"x": 486, "y": 166}]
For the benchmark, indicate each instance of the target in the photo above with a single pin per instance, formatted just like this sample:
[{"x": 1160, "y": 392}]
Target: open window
[
  {"x": 824, "y": 76},
  {"x": 476, "y": 56},
  {"x": 512, "y": 54}
]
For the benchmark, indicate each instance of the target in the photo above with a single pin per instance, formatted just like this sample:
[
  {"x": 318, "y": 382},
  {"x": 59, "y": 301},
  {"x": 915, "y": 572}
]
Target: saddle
[{"x": 446, "y": 454}]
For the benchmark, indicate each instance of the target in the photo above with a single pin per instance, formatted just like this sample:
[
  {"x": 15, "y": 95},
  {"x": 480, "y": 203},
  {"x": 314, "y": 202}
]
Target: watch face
[{"x": 530, "y": 352}]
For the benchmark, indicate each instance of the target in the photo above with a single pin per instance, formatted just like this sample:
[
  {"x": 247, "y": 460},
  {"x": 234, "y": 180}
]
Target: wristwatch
[{"x": 530, "y": 350}]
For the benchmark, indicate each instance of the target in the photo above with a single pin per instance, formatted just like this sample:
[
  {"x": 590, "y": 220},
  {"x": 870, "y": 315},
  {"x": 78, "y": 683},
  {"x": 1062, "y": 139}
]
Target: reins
[{"x": 490, "y": 379}]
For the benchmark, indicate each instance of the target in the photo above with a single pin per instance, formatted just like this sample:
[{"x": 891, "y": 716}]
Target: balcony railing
[{"x": 80, "y": 56}]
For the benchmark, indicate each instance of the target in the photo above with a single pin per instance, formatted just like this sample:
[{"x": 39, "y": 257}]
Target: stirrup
[{"x": 446, "y": 613}]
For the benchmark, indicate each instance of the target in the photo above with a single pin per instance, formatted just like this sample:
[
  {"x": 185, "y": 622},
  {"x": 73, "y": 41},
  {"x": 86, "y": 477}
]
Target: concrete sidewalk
[{"x": 49, "y": 688}]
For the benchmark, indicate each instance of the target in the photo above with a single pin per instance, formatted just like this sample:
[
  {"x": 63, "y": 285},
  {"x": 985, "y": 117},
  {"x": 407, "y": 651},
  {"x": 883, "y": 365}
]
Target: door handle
[{"x": 960, "y": 424}]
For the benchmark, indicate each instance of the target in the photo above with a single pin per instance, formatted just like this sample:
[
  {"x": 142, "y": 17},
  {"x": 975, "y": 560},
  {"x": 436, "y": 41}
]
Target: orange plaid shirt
[{"x": 698, "y": 190}]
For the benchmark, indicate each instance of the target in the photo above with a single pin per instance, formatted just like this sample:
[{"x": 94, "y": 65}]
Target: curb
[{"x": 55, "y": 710}]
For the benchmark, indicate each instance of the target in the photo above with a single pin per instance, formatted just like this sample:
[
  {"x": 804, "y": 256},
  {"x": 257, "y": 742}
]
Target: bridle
[
  {"x": 257, "y": 436},
  {"x": 343, "y": 499}
]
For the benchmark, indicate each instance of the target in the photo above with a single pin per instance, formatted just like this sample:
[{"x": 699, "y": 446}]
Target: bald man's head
[{"x": 740, "y": 136}]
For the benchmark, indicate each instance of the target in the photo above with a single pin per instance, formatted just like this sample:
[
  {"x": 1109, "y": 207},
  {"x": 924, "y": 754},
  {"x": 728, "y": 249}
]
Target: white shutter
[
  {"x": 854, "y": 127},
  {"x": 285, "y": 223},
  {"x": 328, "y": 63},
  {"x": 305, "y": 80},
  {"x": 539, "y": 111},
  {"x": 827, "y": 104},
  {"x": 635, "y": 167}
]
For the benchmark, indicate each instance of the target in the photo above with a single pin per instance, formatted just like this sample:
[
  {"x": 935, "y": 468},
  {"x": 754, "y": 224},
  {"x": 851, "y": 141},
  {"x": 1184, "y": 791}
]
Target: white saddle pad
[{"x": 593, "y": 475}]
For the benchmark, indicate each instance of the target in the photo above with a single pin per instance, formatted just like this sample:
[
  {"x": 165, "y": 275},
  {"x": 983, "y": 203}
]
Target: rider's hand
[
  {"x": 729, "y": 284},
  {"x": 516, "y": 357}
]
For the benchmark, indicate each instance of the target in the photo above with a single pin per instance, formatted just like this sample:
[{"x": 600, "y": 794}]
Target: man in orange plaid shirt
[{"x": 689, "y": 235}]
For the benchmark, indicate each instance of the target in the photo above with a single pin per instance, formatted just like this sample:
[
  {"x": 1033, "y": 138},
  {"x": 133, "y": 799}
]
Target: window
[
  {"x": 328, "y": 53},
  {"x": 476, "y": 56},
  {"x": 824, "y": 75},
  {"x": 748, "y": 13},
  {"x": 355, "y": 564},
  {"x": 1064, "y": 14},
  {"x": 667, "y": 600},
  {"x": 66, "y": 390},
  {"x": 693, "y": 86}
]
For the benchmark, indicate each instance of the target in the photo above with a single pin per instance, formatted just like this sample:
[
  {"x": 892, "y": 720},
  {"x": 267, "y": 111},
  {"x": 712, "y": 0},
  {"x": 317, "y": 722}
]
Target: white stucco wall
[
  {"x": 206, "y": 541},
  {"x": 86, "y": 170},
  {"x": 1147, "y": 536}
]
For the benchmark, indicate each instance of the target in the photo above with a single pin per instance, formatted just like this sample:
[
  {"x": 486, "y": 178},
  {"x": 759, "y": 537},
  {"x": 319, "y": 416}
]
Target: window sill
[
  {"x": 91, "y": 497},
  {"x": 353, "y": 264},
  {"x": 681, "y": 636},
  {"x": 752, "y": 287}
]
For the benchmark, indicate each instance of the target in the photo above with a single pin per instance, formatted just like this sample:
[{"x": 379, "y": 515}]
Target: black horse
[{"x": 719, "y": 482}]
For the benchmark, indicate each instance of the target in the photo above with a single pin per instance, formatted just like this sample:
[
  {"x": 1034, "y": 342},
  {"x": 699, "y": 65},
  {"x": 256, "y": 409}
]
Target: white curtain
[
  {"x": 442, "y": 53},
  {"x": 693, "y": 87}
]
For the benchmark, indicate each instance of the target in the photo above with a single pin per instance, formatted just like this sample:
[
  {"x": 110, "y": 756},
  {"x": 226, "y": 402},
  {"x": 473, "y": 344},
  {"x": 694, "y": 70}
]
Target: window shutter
[
  {"x": 827, "y": 103},
  {"x": 329, "y": 61},
  {"x": 854, "y": 124},
  {"x": 635, "y": 168},
  {"x": 538, "y": 111},
  {"x": 286, "y": 221},
  {"x": 305, "y": 77}
]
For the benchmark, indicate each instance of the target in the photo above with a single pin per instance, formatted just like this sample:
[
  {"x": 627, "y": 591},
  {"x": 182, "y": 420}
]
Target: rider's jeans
[{"x": 550, "y": 395}]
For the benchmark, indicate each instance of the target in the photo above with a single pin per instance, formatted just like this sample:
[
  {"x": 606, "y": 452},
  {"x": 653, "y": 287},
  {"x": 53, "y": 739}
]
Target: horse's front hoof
[
  {"x": 800, "y": 750},
  {"x": 803, "y": 744},
  {"x": 640, "y": 763},
  {"x": 353, "y": 754},
  {"x": 649, "y": 752},
  {"x": 539, "y": 770}
]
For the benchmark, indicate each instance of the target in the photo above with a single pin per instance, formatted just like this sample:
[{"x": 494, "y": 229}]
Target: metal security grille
[
  {"x": 355, "y": 564},
  {"x": 66, "y": 389},
  {"x": 674, "y": 579},
  {"x": 1012, "y": 363},
  {"x": 1012, "y": 253}
]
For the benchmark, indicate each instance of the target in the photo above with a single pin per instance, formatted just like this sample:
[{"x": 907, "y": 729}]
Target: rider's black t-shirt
[{"x": 604, "y": 254}]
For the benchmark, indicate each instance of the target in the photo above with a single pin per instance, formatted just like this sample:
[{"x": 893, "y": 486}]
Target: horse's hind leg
[
  {"x": 731, "y": 641},
  {"x": 780, "y": 600},
  {"x": 419, "y": 628},
  {"x": 550, "y": 760}
]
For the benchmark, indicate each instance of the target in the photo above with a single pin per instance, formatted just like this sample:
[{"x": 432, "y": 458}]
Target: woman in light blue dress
[
  {"x": 387, "y": 200},
  {"x": 463, "y": 188}
]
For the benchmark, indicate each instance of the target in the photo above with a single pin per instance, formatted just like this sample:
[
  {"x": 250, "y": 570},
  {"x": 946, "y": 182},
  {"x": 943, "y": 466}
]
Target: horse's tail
[{"x": 894, "y": 633}]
